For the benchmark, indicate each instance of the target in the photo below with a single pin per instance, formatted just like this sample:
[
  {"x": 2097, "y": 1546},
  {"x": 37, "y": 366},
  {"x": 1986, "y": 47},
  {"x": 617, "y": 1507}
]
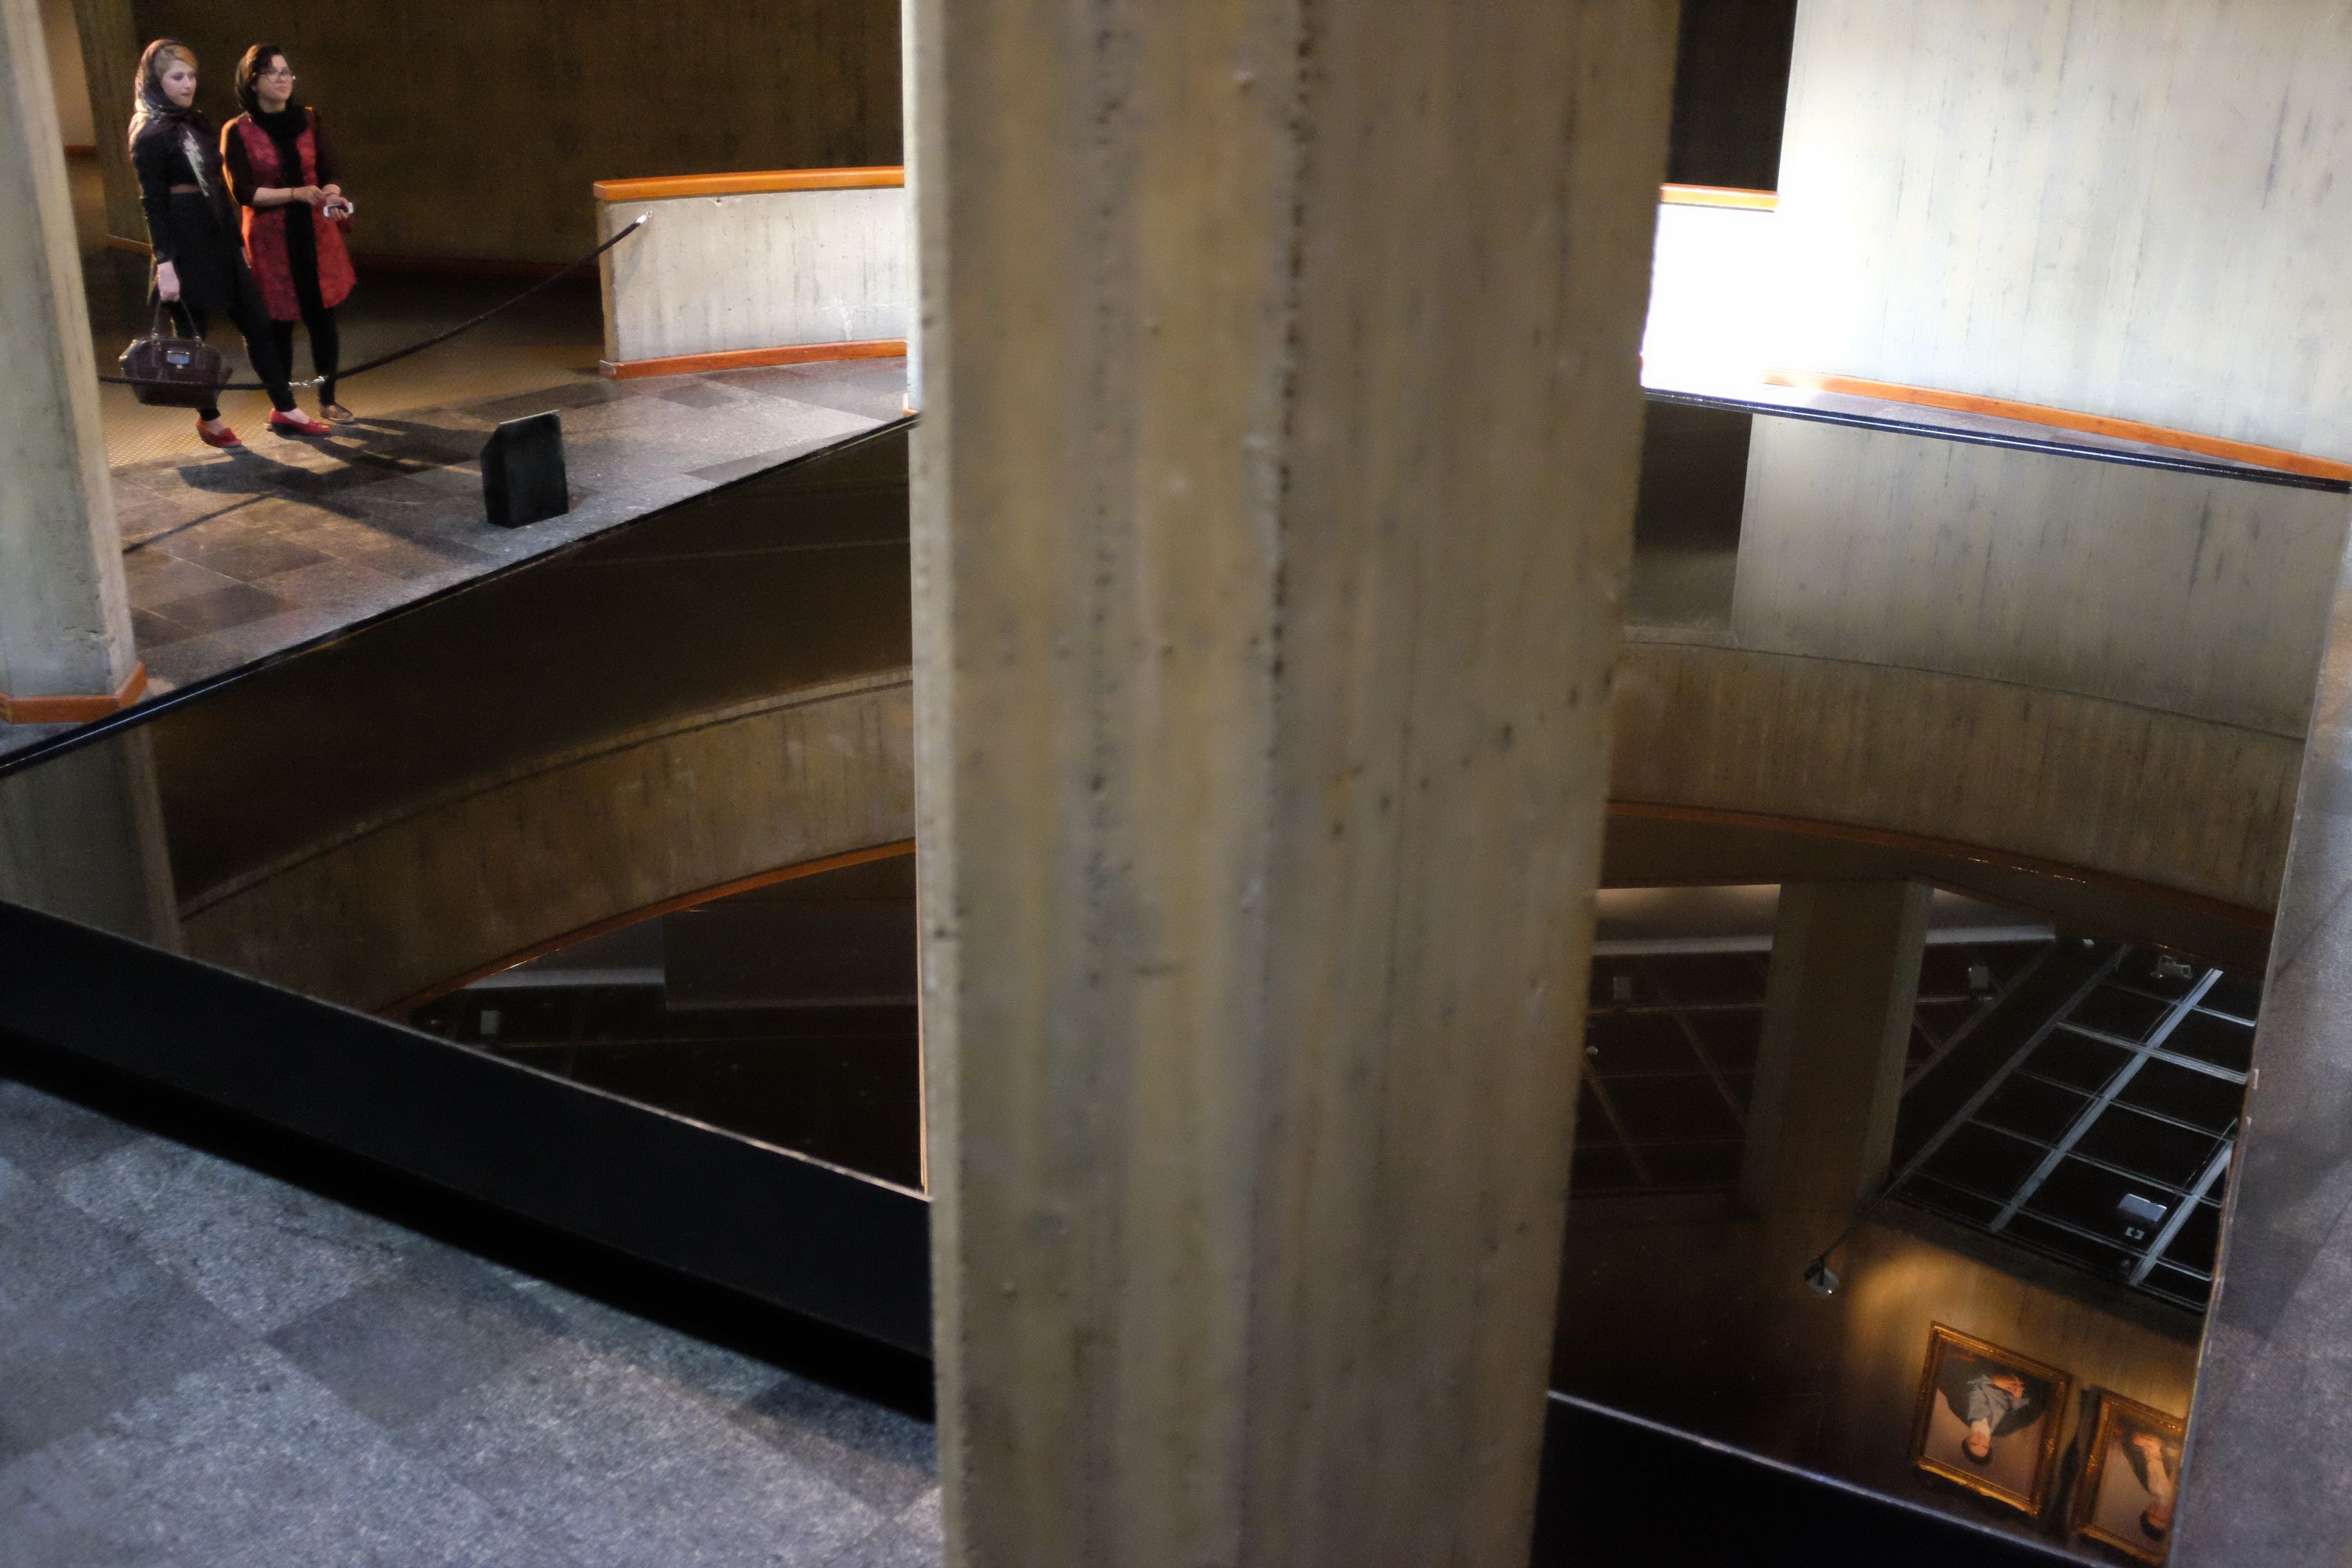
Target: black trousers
[
  {"x": 318, "y": 320},
  {"x": 260, "y": 346}
]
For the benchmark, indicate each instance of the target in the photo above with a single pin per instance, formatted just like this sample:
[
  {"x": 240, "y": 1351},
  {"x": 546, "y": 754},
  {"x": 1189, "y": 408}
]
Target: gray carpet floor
[{"x": 202, "y": 1364}]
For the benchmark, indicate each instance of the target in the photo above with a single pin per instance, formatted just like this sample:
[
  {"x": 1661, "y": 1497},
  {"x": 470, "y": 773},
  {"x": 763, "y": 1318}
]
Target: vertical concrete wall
[
  {"x": 755, "y": 270},
  {"x": 474, "y": 132},
  {"x": 65, "y": 619},
  {"x": 2130, "y": 207},
  {"x": 2202, "y": 596},
  {"x": 2268, "y": 1477}
]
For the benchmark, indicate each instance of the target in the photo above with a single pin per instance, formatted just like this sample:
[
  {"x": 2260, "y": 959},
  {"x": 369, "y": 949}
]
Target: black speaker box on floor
[{"x": 522, "y": 472}]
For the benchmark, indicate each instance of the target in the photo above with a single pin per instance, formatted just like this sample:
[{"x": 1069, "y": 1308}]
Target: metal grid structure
[
  {"x": 1670, "y": 1056},
  {"x": 2097, "y": 1130}
]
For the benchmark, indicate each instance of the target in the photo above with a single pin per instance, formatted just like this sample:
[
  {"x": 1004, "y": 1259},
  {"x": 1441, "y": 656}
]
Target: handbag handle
[{"x": 161, "y": 309}]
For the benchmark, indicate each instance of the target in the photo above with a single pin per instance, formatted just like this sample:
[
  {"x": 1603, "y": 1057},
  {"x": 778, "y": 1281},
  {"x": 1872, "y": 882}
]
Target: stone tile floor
[
  {"x": 235, "y": 556},
  {"x": 231, "y": 557},
  {"x": 203, "y": 1364}
]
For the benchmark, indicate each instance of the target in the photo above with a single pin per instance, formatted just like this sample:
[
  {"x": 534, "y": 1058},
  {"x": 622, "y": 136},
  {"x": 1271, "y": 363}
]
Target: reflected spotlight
[{"x": 1821, "y": 1277}]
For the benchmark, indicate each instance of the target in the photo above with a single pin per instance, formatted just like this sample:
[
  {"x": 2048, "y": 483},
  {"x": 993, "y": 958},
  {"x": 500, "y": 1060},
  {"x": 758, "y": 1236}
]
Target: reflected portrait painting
[
  {"x": 1987, "y": 1419},
  {"x": 2131, "y": 1478}
]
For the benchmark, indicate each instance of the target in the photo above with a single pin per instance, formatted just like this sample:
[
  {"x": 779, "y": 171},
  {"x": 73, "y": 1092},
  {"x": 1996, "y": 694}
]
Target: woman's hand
[
  {"x": 167, "y": 283},
  {"x": 311, "y": 194}
]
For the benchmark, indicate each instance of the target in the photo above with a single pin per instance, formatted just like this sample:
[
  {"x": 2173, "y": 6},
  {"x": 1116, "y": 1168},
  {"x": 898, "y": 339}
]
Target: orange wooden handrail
[
  {"x": 2221, "y": 446},
  {"x": 1718, "y": 196},
  {"x": 662, "y": 187}
]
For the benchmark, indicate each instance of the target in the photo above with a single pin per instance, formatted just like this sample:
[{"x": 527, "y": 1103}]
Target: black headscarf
[{"x": 150, "y": 109}]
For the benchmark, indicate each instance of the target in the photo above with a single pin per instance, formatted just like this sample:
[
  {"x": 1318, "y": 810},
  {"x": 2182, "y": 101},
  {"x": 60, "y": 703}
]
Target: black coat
[{"x": 196, "y": 230}]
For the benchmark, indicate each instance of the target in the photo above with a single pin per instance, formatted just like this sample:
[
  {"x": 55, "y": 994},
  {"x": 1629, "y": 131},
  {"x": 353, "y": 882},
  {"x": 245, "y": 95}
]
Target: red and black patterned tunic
[{"x": 253, "y": 159}]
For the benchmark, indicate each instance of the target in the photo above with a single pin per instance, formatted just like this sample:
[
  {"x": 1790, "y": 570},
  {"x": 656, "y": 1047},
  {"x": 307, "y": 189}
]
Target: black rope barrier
[{"x": 438, "y": 338}]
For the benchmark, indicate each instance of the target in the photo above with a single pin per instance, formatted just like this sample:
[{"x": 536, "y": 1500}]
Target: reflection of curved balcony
[
  {"x": 2086, "y": 665},
  {"x": 658, "y": 715},
  {"x": 2071, "y": 685},
  {"x": 625, "y": 824}
]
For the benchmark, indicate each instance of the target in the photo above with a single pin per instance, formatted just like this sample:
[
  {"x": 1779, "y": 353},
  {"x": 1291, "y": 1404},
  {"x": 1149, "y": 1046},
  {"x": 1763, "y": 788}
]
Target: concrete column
[
  {"x": 908, "y": 44},
  {"x": 1829, "y": 1071},
  {"x": 2268, "y": 1474},
  {"x": 65, "y": 619},
  {"x": 109, "y": 63},
  {"x": 1272, "y": 502}
]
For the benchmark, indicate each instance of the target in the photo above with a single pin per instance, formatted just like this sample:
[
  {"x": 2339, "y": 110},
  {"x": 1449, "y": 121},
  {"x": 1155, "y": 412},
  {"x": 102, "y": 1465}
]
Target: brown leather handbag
[{"x": 175, "y": 372}]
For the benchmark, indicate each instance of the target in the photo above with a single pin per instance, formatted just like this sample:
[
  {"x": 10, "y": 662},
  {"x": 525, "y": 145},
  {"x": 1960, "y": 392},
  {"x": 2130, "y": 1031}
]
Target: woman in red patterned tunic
[{"x": 282, "y": 168}]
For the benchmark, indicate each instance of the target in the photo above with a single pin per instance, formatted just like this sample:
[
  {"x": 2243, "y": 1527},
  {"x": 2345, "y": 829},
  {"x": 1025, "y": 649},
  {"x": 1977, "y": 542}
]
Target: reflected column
[
  {"x": 81, "y": 837},
  {"x": 1828, "y": 1069},
  {"x": 109, "y": 59},
  {"x": 66, "y": 652}
]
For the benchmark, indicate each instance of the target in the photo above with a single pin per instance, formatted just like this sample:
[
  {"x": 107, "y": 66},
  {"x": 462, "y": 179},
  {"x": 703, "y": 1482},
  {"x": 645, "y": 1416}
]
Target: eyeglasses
[{"x": 286, "y": 71}]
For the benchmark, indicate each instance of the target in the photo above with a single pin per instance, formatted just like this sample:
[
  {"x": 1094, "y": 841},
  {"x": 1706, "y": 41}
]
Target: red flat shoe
[
  {"x": 223, "y": 438},
  {"x": 296, "y": 423}
]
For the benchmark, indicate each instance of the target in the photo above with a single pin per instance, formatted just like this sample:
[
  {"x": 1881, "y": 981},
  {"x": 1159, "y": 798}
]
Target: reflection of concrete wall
[
  {"x": 2200, "y": 596},
  {"x": 108, "y": 44},
  {"x": 65, "y": 72},
  {"x": 81, "y": 837},
  {"x": 2086, "y": 782},
  {"x": 2132, "y": 207},
  {"x": 1706, "y": 1323},
  {"x": 756, "y": 270},
  {"x": 475, "y": 131},
  {"x": 1897, "y": 1285},
  {"x": 391, "y": 908}
]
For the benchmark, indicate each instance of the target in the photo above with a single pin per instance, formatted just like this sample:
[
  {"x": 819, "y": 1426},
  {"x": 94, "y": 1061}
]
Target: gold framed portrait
[
  {"x": 1987, "y": 1419},
  {"x": 2131, "y": 1477}
]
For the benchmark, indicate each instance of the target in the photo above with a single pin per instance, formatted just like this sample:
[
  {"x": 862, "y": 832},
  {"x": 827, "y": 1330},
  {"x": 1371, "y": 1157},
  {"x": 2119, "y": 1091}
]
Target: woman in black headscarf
[
  {"x": 281, "y": 169},
  {"x": 192, "y": 228}
]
